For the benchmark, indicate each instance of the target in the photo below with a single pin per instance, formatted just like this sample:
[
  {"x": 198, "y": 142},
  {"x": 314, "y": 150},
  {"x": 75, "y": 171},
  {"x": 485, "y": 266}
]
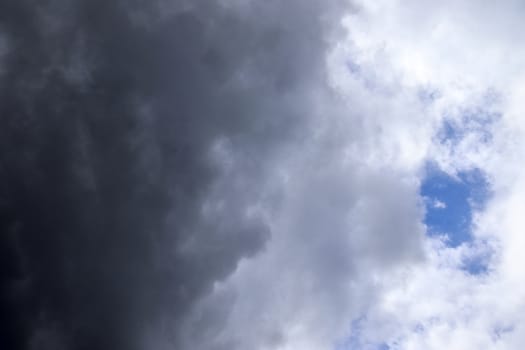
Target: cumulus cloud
[
  {"x": 140, "y": 142},
  {"x": 136, "y": 139},
  {"x": 464, "y": 56}
]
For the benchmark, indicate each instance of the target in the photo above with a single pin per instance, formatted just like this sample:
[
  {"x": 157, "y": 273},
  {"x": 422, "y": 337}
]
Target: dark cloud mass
[{"x": 134, "y": 136}]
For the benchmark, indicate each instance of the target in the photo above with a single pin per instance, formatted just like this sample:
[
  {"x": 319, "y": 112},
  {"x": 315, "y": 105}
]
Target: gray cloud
[
  {"x": 340, "y": 229},
  {"x": 136, "y": 142}
]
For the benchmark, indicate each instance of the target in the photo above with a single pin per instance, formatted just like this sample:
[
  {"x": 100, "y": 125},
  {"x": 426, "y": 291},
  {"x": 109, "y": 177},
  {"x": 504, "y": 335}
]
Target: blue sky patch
[
  {"x": 477, "y": 121},
  {"x": 450, "y": 202},
  {"x": 354, "y": 341},
  {"x": 476, "y": 265}
]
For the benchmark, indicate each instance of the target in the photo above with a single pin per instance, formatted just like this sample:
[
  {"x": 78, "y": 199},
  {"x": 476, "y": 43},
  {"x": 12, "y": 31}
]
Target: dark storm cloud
[{"x": 133, "y": 136}]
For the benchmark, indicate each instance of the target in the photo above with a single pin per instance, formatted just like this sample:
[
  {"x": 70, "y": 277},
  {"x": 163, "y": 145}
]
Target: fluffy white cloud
[{"x": 467, "y": 54}]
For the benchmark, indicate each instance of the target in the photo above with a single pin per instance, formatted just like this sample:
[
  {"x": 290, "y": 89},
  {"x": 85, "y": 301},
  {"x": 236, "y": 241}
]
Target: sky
[{"x": 266, "y": 175}]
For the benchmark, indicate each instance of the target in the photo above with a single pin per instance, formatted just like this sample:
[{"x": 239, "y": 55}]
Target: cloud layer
[
  {"x": 236, "y": 174},
  {"x": 137, "y": 142}
]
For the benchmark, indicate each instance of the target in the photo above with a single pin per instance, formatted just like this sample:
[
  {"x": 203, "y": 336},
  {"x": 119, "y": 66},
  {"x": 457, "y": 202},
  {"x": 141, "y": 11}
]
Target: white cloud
[
  {"x": 463, "y": 50},
  {"x": 439, "y": 204}
]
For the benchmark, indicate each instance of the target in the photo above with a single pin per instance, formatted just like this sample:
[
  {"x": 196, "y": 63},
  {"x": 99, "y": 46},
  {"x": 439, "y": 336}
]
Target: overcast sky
[{"x": 263, "y": 175}]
